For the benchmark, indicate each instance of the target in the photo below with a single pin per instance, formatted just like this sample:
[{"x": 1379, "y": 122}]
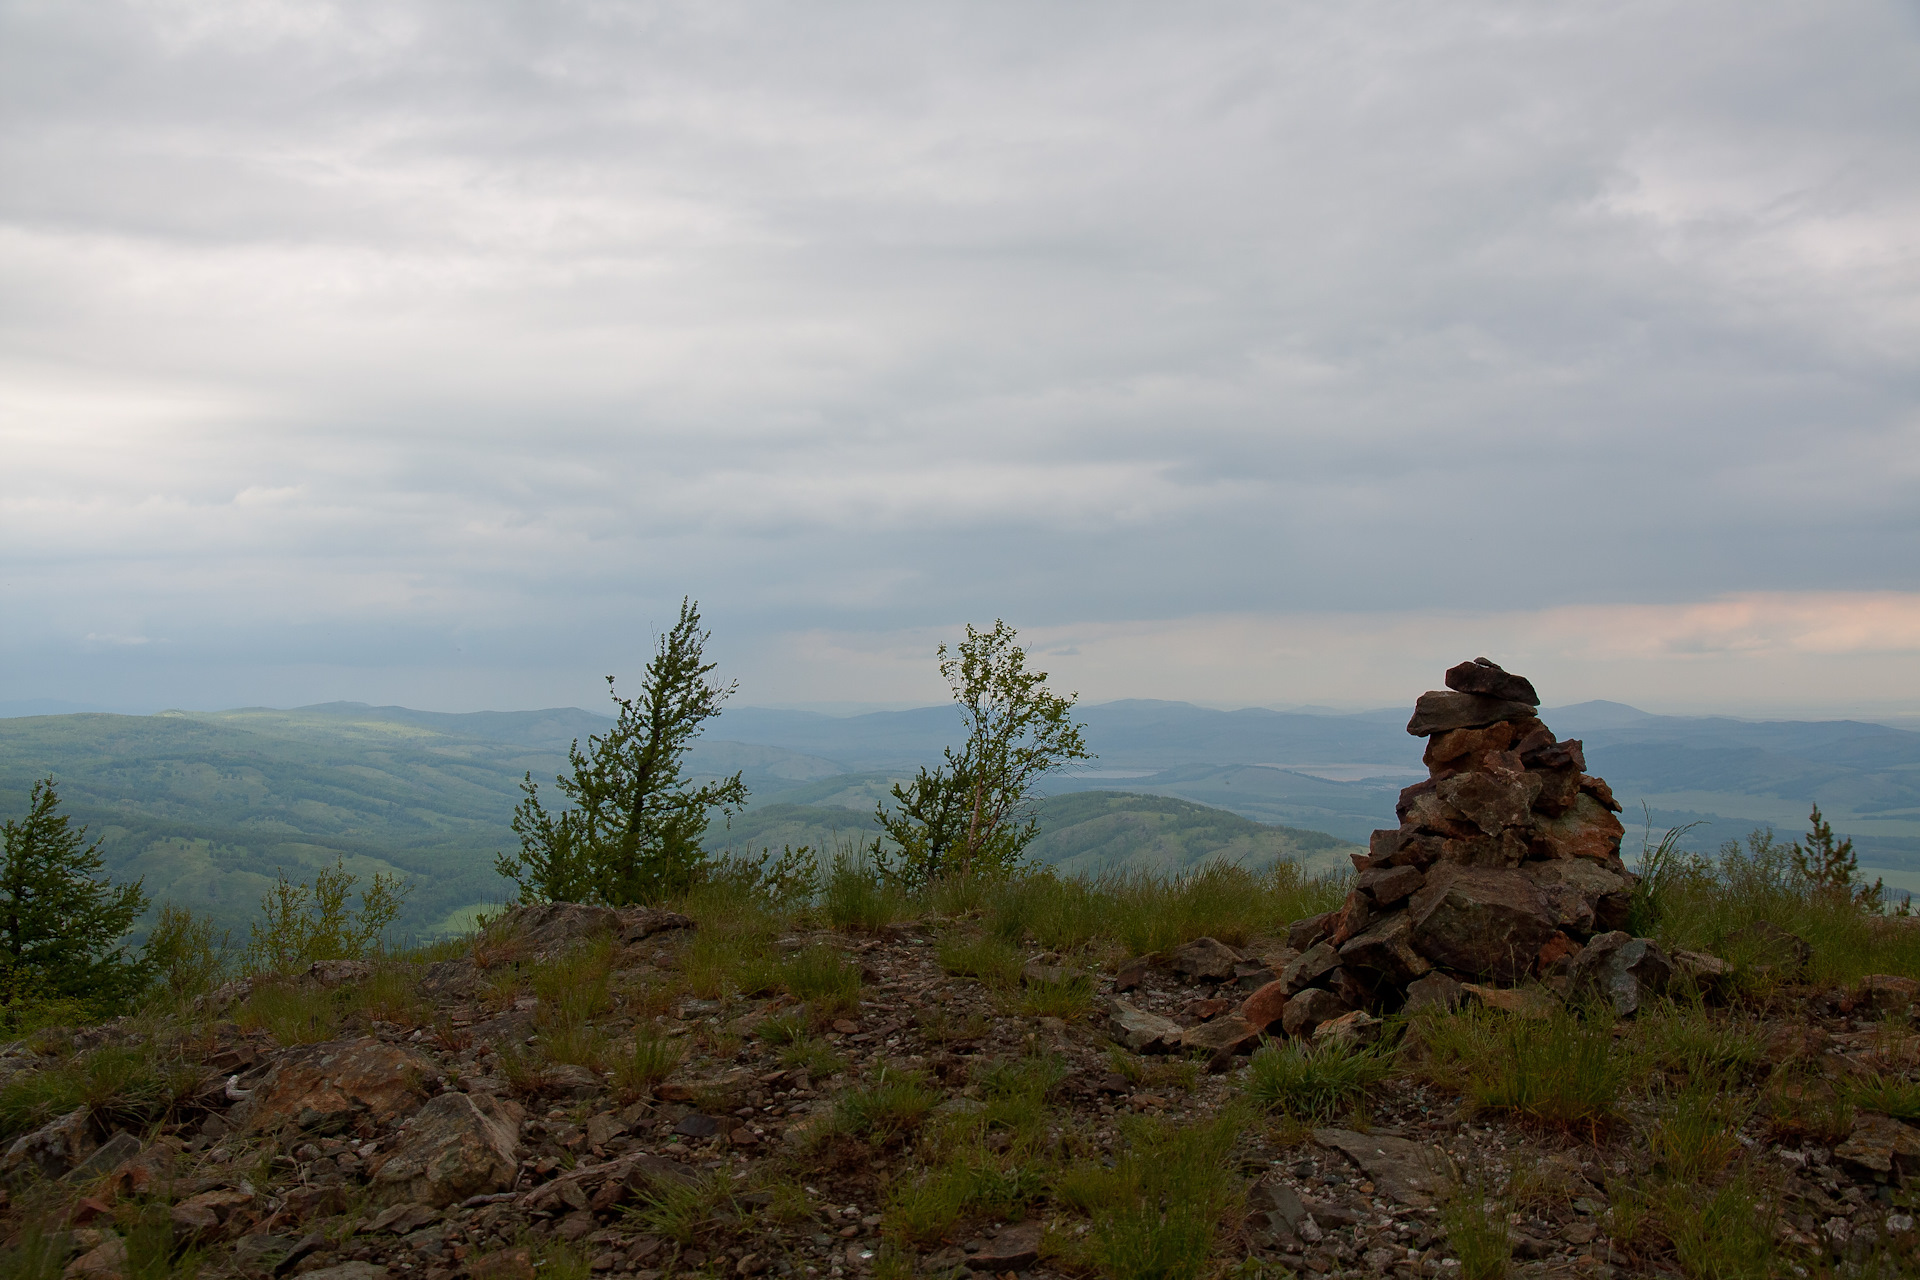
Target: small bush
[
  {"x": 825, "y": 979},
  {"x": 684, "y": 1212},
  {"x": 1476, "y": 1227},
  {"x": 1155, "y": 1213},
  {"x": 892, "y": 1105},
  {"x": 1695, "y": 1137},
  {"x": 186, "y": 957},
  {"x": 1070, "y": 1000},
  {"x": 300, "y": 924},
  {"x": 1314, "y": 1081},
  {"x": 648, "y": 1063},
  {"x": 1561, "y": 1070},
  {"x": 1889, "y": 1094},
  {"x": 291, "y": 1012},
  {"x": 815, "y": 1057},
  {"x": 857, "y": 896}
]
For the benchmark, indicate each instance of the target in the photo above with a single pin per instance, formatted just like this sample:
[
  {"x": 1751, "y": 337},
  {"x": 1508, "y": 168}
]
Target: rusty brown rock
[
  {"x": 1435, "y": 991},
  {"x": 458, "y": 1145},
  {"x": 1302, "y": 934},
  {"x": 1492, "y": 801},
  {"x": 1479, "y": 921},
  {"x": 1886, "y": 993},
  {"x": 1436, "y": 712},
  {"x": 325, "y": 1087},
  {"x": 1458, "y": 744},
  {"x": 1487, "y": 678},
  {"x": 1599, "y": 790},
  {"x": 1586, "y": 830},
  {"x": 1558, "y": 790},
  {"x": 1263, "y": 1008},
  {"x": 1229, "y": 1035}
]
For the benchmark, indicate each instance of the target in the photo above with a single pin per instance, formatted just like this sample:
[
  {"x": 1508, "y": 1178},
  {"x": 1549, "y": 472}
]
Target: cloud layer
[{"x": 429, "y": 352}]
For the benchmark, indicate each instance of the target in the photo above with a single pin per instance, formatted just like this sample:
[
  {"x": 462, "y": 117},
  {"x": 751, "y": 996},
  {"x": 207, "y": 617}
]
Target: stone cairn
[{"x": 1505, "y": 868}]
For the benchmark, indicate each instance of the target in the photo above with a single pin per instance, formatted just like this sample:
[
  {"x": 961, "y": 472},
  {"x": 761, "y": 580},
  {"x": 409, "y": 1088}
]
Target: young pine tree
[
  {"x": 61, "y": 928},
  {"x": 632, "y": 832},
  {"x": 1831, "y": 867}
]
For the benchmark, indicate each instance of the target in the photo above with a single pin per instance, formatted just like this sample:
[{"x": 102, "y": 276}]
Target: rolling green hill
[{"x": 208, "y": 807}]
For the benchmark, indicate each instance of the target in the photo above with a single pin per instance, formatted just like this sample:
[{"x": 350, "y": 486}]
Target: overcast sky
[{"x": 1250, "y": 354}]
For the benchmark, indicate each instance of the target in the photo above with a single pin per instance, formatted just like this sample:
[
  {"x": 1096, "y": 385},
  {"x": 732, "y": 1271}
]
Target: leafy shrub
[
  {"x": 300, "y": 923},
  {"x": 184, "y": 955}
]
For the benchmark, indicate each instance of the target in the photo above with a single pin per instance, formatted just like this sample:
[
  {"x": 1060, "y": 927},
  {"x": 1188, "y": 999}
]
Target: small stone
[
  {"x": 1388, "y": 885},
  {"x": 1622, "y": 970},
  {"x": 1309, "y": 967},
  {"x": 1302, "y": 934},
  {"x": 845, "y": 1026},
  {"x": 1886, "y": 993},
  {"x": 752, "y": 1264},
  {"x": 1519, "y": 1002},
  {"x": 1880, "y": 1145},
  {"x": 1015, "y": 1249},
  {"x": 1222, "y": 1036},
  {"x": 459, "y": 1145},
  {"x": 1132, "y": 974},
  {"x": 1435, "y": 991},
  {"x": 1349, "y": 1030},
  {"x": 508, "y": 1264}
]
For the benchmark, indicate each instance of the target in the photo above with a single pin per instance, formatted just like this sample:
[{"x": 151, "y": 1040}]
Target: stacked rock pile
[{"x": 1505, "y": 867}]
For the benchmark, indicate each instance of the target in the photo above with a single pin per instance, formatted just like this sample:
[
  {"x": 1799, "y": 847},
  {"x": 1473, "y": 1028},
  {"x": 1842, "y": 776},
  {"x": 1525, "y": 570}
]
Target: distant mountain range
[{"x": 206, "y": 805}]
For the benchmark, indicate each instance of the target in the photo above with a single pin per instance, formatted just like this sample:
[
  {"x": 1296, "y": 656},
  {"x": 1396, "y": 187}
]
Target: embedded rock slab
[
  {"x": 1140, "y": 1031},
  {"x": 51, "y": 1151},
  {"x": 456, "y": 1146},
  {"x": 1581, "y": 894},
  {"x": 1016, "y": 1248},
  {"x": 1405, "y": 1172},
  {"x": 324, "y": 1088},
  {"x": 1880, "y": 1145}
]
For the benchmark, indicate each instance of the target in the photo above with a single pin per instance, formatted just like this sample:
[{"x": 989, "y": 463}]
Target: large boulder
[
  {"x": 457, "y": 1145},
  {"x": 1263, "y": 1008},
  {"x": 328, "y": 1087},
  {"x": 1480, "y": 921},
  {"x": 1492, "y": 801},
  {"x": 1622, "y": 970}
]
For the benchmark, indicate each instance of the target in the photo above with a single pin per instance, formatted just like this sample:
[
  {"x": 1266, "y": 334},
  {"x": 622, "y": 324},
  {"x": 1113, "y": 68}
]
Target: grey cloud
[{"x": 513, "y": 321}]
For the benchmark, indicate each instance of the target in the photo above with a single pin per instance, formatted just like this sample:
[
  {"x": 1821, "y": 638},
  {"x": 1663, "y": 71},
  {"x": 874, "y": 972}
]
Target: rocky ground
[{"x": 433, "y": 1130}]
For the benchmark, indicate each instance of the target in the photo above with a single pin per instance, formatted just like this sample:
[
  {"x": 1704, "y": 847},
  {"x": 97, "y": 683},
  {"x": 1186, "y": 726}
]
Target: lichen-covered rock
[
  {"x": 1140, "y": 1031},
  {"x": 1480, "y": 921},
  {"x": 1586, "y": 830},
  {"x": 1622, "y": 970},
  {"x": 456, "y": 1146},
  {"x": 1583, "y": 895}
]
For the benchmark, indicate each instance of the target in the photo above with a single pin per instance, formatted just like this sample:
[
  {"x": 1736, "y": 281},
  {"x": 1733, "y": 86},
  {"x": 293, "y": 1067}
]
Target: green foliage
[
  {"x": 183, "y": 954},
  {"x": 972, "y": 815},
  {"x": 650, "y": 1061},
  {"x": 1070, "y": 1000},
  {"x": 992, "y": 960},
  {"x": 1314, "y": 1081},
  {"x": 61, "y": 929},
  {"x": 857, "y": 895},
  {"x": 1830, "y": 868},
  {"x": 1695, "y": 1137},
  {"x": 300, "y": 923},
  {"x": 1890, "y": 1095},
  {"x": 632, "y": 831},
  {"x": 1156, "y": 1212},
  {"x": 1476, "y": 1227},
  {"x": 1559, "y": 1070},
  {"x": 1703, "y": 902},
  {"x": 825, "y": 979},
  {"x": 889, "y": 1106}
]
